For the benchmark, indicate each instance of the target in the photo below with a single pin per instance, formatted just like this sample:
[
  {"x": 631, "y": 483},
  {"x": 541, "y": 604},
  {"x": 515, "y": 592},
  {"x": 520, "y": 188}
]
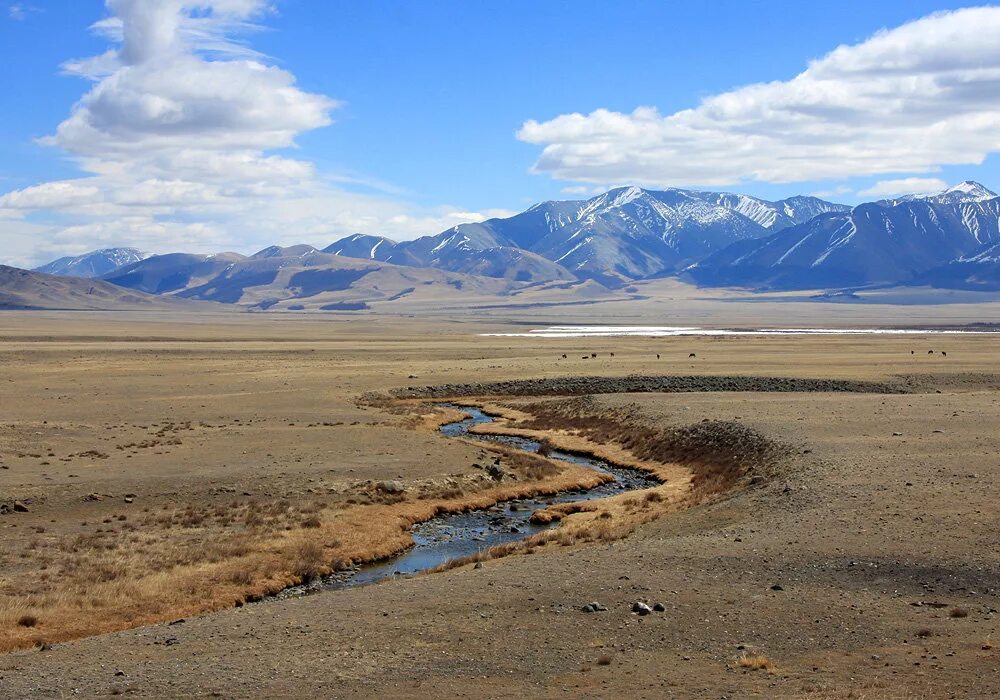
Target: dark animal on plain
[
  {"x": 564, "y": 356},
  {"x": 585, "y": 357},
  {"x": 593, "y": 354},
  {"x": 913, "y": 352},
  {"x": 930, "y": 352},
  {"x": 944, "y": 354},
  {"x": 612, "y": 354},
  {"x": 692, "y": 355},
  {"x": 657, "y": 356}
]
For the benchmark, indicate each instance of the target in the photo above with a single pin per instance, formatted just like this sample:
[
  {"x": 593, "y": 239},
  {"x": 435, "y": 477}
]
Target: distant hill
[
  {"x": 27, "y": 289},
  {"x": 297, "y": 279}
]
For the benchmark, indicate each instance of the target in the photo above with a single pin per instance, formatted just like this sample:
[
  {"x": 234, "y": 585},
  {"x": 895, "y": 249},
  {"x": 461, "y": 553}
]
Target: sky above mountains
[{"x": 203, "y": 125}]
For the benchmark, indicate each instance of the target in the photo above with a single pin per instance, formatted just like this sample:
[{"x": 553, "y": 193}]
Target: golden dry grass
[
  {"x": 755, "y": 662},
  {"x": 191, "y": 560}
]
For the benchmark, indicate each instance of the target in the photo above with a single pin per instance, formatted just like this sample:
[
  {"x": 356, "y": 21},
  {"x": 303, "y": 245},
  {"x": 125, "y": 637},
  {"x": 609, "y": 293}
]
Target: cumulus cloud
[
  {"x": 184, "y": 135},
  {"x": 906, "y": 185},
  {"x": 906, "y": 100}
]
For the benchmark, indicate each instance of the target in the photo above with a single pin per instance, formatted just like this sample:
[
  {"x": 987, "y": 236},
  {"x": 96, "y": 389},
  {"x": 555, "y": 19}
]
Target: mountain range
[{"x": 947, "y": 239}]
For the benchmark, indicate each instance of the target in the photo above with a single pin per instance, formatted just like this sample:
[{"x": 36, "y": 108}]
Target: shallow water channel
[{"x": 456, "y": 535}]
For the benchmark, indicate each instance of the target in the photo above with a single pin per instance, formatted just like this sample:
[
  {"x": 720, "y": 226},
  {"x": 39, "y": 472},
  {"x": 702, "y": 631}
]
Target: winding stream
[{"x": 456, "y": 535}]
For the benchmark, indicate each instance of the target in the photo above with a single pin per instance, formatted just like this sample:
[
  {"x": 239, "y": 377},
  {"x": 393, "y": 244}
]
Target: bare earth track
[{"x": 861, "y": 563}]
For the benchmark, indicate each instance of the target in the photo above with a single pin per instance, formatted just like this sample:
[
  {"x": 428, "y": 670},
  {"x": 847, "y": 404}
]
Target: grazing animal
[
  {"x": 692, "y": 355},
  {"x": 657, "y": 356},
  {"x": 564, "y": 356},
  {"x": 930, "y": 352},
  {"x": 585, "y": 357},
  {"x": 913, "y": 352},
  {"x": 593, "y": 354},
  {"x": 612, "y": 354},
  {"x": 944, "y": 354}
]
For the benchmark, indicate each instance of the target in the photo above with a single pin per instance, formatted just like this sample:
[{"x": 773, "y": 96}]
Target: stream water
[{"x": 456, "y": 535}]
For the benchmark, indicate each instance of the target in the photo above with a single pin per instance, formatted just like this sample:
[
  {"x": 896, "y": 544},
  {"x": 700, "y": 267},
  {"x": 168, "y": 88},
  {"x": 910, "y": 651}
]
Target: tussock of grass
[{"x": 755, "y": 662}]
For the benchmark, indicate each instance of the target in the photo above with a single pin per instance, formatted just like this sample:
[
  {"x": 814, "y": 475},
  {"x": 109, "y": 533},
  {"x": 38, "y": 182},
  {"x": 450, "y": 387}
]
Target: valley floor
[{"x": 142, "y": 446}]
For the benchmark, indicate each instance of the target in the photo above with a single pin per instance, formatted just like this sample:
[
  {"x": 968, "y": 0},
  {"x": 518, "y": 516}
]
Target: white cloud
[
  {"x": 587, "y": 190},
  {"x": 19, "y": 11},
  {"x": 907, "y": 100},
  {"x": 839, "y": 191},
  {"x": 181, "y": 135},
  {"x": 907, "y": 185}
]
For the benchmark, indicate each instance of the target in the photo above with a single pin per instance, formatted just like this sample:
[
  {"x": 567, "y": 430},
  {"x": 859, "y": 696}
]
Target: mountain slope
[
  {"x": 295, "y": 278},
  {"x": 27, "y": 289},
  {"x": 978, "y": 272},
  {"x": 871, "y": 244},
  {"x": 165, "y": 274},
  {"x": 93, "y": 264}
]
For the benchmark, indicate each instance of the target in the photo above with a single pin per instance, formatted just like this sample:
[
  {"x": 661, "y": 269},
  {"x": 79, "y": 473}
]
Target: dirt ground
[{"x": 867, "y": 567}]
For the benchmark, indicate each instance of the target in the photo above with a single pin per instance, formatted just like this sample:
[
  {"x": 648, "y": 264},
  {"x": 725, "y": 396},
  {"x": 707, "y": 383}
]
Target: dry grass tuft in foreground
[{"x": 756, "y": 662}]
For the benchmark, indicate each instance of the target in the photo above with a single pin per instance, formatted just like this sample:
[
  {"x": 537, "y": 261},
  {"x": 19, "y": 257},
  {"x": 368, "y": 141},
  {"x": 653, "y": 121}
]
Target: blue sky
[{"x": 410, "y": 116}]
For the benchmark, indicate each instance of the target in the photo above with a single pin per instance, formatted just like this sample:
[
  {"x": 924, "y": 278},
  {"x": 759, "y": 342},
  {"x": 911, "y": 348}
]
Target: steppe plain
[{"x": 175, "y": 467}]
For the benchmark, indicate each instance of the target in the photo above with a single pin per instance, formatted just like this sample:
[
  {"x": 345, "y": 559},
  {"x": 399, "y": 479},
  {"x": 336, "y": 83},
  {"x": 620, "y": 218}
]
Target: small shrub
[
  {"x": 312, "y": 522},
  {"x": 604, "y": 660},
  {"x": 27, "y": 621},
  {"x": 958, "y": 612}
]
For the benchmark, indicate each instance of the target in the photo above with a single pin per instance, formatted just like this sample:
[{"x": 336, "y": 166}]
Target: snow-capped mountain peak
[
  {"x": 964, "y": 192},
  {"x": 95, "y": 263}
]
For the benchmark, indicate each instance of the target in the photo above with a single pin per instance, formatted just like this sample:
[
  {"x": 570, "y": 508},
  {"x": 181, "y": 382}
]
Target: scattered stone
[
  {"x": 659, "y": 607},
  {"x": 756, "y": 479},
  {"x": 495, "y": 471},
  {"x": 390, "y": 487},
  {"x": 777, "y": 587},
  {"x": 20, "y": 507},
  {"x": 640, "y": 608},
  {"x": 478, "y": 565},
  {"x": 588, "y": 608}
]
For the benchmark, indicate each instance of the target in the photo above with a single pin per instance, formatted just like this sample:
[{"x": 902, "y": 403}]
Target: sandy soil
[{"x": 879, "y": 534}]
